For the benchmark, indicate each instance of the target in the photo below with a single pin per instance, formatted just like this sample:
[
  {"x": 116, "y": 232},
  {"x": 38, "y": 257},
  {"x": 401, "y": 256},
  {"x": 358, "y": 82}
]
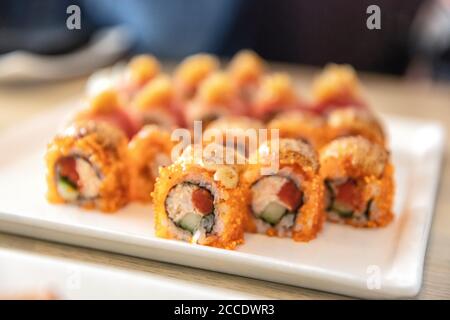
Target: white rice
[{"x": 90, "y": 181}]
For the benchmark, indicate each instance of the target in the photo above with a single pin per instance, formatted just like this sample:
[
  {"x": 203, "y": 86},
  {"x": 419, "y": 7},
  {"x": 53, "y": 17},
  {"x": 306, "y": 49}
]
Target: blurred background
[
  {"x": 47, "y": 54},
  {"x": 414, "y": 38}
]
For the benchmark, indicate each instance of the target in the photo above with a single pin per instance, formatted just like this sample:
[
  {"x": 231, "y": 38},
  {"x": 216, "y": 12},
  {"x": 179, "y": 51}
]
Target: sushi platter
[{"x": 108, "y": 179}]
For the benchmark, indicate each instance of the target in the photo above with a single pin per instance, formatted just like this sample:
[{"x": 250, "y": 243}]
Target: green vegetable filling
[
  {"x": 192, "y": 222},
  {"x": 67, "y": 189},
  {"x": 342, "y": 209},
  {"x": 273, "y": 213}
]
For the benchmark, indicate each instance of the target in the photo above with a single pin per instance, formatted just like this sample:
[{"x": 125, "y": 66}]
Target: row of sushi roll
[
  {"x": 199, "y": 90},
  {"x": 332, "y": 157}
]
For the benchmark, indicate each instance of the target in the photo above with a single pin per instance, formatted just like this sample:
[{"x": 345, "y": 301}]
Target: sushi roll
[
  {"x": 246, "y": 70},
  {"x": 139, "y": 71},
  {"x": 359, "y": 182},
  {"x": 200, "y": 201},
  {"x": 154, "y": 103},
  {"x": 87, "y": 167},
  {"x": 106, "y": 106},
  {"x": 275, "y": 94},
  {"x": 190, "y": 73},
  {"x": 215, "y": 98},
  {"x": 288, "y": 202},
  {"x": 351, "y": 121},
  {"x": 300, "y": 124},
  {"x": 337, "y": 86},
  {"x": 237, "y": 132},
  {"x": 148, "y": 151}
]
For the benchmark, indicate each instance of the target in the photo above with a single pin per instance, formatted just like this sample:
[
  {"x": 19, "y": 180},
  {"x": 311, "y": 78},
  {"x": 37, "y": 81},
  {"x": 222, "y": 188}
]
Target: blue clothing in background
[
  {"x": 172, "y": 28},
  {"x": 308, "y": 32}
]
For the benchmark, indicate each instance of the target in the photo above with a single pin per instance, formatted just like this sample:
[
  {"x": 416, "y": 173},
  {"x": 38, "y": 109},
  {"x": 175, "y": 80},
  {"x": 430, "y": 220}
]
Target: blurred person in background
[{"x": 304, "y": 32}]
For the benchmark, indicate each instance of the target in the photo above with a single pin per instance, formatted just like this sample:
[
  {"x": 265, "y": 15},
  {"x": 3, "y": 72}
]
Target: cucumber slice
[
  {"x": 190, "y": 222},
  {"x": 342, "y": 209},
  {"x": 67, "y": 189},
  {"x": 207, "y": 222},
  {"x": 273, "y": 213}
]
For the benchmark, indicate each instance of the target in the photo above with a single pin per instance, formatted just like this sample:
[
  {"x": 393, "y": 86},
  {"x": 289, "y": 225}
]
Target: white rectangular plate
[
  {"x": 23, "y": 273},
  {"x": 385, "y": 262}
]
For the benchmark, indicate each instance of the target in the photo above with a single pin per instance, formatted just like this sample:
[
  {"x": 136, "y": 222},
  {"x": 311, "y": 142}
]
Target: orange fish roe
[
  {"x": 229, "y": 204},
  {"x": 351, "y": 121},
  {"x": 275, "y": 94},
  {"x": 300, "y": 124},
  {"x": 157, "y": 93},
  {"x": 105, "y": 148},
  {"x": 297, "y": 162},
  {"x": 149, "y": 150},
  {"x": 191, "y": 72},
  {"x": 246, "y": 67},
  {"x": 337, "y": 85},
  {"x": 215, "y": 98},
  {"x": 368, "y": 165},
  {"x": 142, "y": 68},
  {"x": 153, "y": 103},
  {"x": 216, "y": 89}
]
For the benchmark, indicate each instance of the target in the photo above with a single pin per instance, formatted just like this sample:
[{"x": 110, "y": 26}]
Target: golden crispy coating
[
  {"x": 106, "y": 148},
  {"x": 336, "y": 83},
  {"x": 385, "y": 199},
  {"x": 354, "y": 121},
  {"x": 148, "y": 150},
  {"x": 354, "y": 157},
  {"x": 215, "y": 98},
  {"x": 142, "y": 68},
  {"x": 276, "y": 93},
  {"x": 229, "y": 202},
  {"x": 216, "y": 89},
  {"x": 192, "y": 71},
  {"x": 368, "y": 164},
  {"x": 299, "y": 159},
  {"x": 299, "y": 124},
  {"x": 289, "y": 151},
  {"x": 153, "y": 103},
  {"x": 104, "y": 102},
  {"x": 276, "y": 89},
  {"x": 156, "y": 94},
  {"x": 212, "y": 157},
  {"x": 246, "y": 67}
]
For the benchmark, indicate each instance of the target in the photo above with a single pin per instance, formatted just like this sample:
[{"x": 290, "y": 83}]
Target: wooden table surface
[{"x": 387, "y": 94}]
